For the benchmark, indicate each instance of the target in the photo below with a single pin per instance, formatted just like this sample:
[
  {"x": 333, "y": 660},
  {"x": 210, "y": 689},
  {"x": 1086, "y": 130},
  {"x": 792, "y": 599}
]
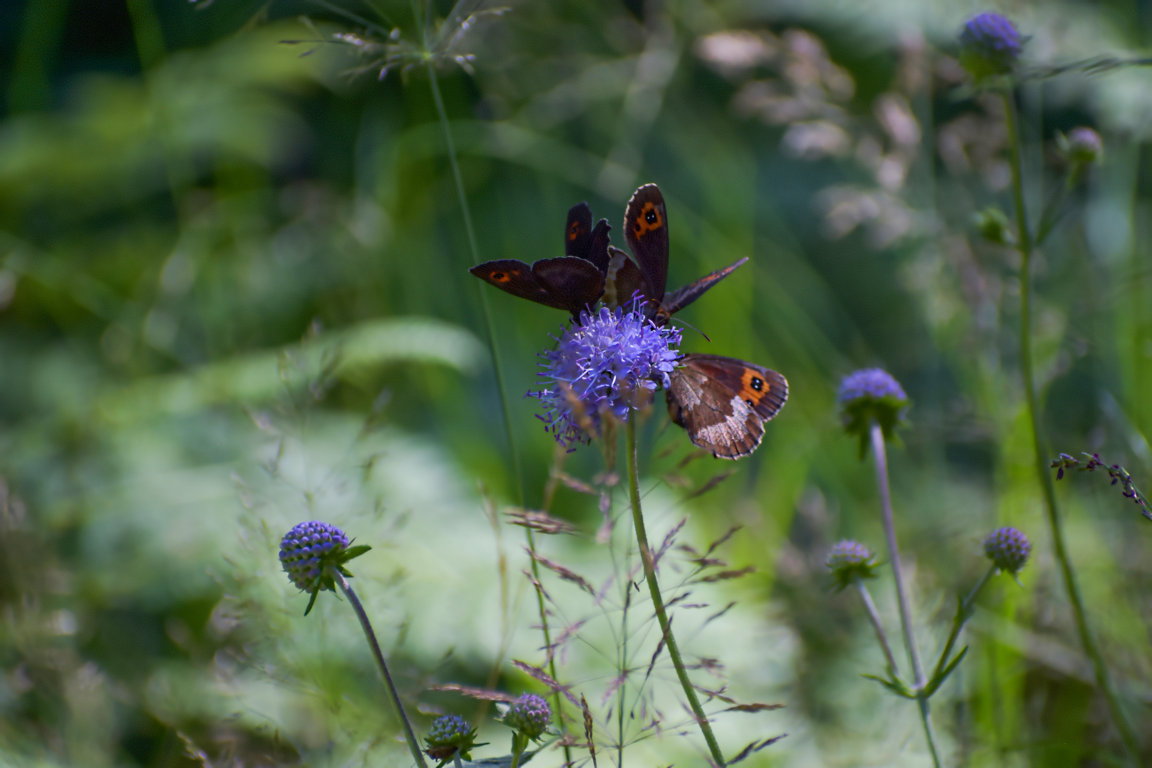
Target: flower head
[
  {"x": 989, "y": 46},
  {"x": 529, "y": 715},
  {"x": 608, "y": 363},
  {"x": 312, "y": 553},
  {"x": 849, "y": 561},
  {"x": 1081, "y": 146},
  {"x": 867, "y": 396},
  {"x": 450, "y": 735},
  {"x": 1008, "y": 549}
]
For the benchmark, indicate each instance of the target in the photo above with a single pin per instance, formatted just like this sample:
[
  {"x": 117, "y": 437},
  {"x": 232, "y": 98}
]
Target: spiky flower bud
[
  {"x": 529, "y": 715},
  {"x": 849, "y": 561},
  {"x": 871, "y": 396},
  {"x": 307, "y": 549},
  {"x": 1008, "y": 549},
  {"x": 450, "y": 735},
  {"x": 313, "y": 553},
  {"x": 989, "y": 46},
  {"x": 1080, "y": 146}
]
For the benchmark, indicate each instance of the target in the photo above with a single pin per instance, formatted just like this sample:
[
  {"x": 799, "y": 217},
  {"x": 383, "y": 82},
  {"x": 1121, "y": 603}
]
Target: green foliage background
[{"x": 233, "y": 296}]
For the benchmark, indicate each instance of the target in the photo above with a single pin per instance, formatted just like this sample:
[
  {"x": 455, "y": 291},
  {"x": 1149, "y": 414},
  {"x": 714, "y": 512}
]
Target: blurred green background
[{"x": 233, "y": 296}]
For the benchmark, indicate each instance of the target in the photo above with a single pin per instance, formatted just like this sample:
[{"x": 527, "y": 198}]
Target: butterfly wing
[
  {"x": 515, "y": 277},
  {"x": 573, "y": 283},
  {"x": 583, "y": 240},
  {"x": 598, "y": 244},
  {"x": 578, "y": 233},
  {"x": 682, "y": 297},
  {"x": 723, "y": 402},
  {"x": 624, "y": 280},
  {"x": 646, "y": 230}
]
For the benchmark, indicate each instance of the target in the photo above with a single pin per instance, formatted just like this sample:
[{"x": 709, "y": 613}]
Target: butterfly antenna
[{"x": 694, "y": 328}]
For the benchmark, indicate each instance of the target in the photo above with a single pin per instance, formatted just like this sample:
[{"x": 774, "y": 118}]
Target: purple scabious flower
[
  {"x": 1081, "y": 145},
  {"x": 989, "y": 45},
  {"x": 313, "y": 553},
  {"x": 529, "y": 715},
  {"x": 849, "y": 561},
  {"x": 608, "y": 363},
  {"x": 1008, "y": 549},
  {"x": 450, "y": 735},
  {"x": 870, "y": 396}
]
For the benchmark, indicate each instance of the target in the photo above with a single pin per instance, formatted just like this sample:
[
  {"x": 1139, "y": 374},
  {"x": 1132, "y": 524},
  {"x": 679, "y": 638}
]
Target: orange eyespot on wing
[
  {"x": 514, "y": 277},
  {"x": 649, "y": 220}
]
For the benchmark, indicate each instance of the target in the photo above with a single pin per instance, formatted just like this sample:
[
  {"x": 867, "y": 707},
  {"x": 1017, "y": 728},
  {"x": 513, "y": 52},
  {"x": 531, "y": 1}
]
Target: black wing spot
[{"x": 757, "y": 384}]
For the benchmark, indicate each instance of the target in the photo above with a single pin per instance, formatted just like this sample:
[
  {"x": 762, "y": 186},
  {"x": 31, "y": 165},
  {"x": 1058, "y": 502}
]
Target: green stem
[
  {"x": 519, "y": 744},
  {"x": 881, "y": 460},
  {"x": 409, "y": 736},
  {"x": 962, "y": 615},
  {"x": 874, "y": 617},
  {"x": 654, "y": 590},
  {"x": 1024, "y": 245},
  {"x": 470, "y": 233},
  {"x": 621, "y": 692}
]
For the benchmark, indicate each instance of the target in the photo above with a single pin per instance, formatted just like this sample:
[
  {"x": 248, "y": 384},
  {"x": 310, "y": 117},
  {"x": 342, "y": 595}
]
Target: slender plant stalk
[
  {"x": 470, "y": 233},
  {"x": 958, "y": 623},
  {"x": 654, "y": 589},
  {"x": 881, "y": 459},
  {"x": 621, "y": 691},
  {"x": 874, "y": 617},
  {"x": 1024, "y": 245},
  {"x": 409, "y": 736}
]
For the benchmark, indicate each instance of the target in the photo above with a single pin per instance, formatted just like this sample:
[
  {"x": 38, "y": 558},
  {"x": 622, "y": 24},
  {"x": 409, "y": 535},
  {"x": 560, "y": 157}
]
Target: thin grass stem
[
  {"x": 1024, "y": 244},
  {"x": 494, "y": 346},
  {"x": 366, "y": 625},
  {"x": 654, "y": 589},
  {"x": 881, "y": 459}
]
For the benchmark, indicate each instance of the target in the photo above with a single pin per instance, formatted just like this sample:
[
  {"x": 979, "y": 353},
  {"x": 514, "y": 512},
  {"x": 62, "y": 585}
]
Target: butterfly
[
  {"x": 646, "y": 275},
  {"x": 573, "y": 282},
  {"x": 722, "y": 402}
]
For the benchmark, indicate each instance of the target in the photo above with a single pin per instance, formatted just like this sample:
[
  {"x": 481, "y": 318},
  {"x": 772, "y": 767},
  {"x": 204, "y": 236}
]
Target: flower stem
[
  {"x": 874, "y": 617},
  {"x": 1024, "y": 245},
  {"x": 881, "y": 459},
  {"x": 654, "y": 589},
  {"x": 962, "y": 614},
  {"x": 514, "y": 454},
  {"x": 409, "y": 736}
]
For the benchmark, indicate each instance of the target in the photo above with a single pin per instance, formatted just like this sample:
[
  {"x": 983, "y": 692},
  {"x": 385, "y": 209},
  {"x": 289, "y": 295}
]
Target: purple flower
[
  {"x": 1008, "y": 549},
  {"x": 529, "y": 715},
  {"x": 313, "y": 553},
  {"x": 1082, "y": 145},
  {"x": 605, "y": 365},
  {"x": 989, "y": 45},
  {"x": 849, "y": 560},
  {"x": 450, "y": 735},
  {"x": 871, "y": 396},
  {"x": 307, "y": 549}
]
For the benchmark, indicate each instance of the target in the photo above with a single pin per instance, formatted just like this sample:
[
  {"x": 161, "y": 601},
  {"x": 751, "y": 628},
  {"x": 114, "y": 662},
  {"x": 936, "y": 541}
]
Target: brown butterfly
[
  {"x": 573, "y": 282},
  {"x": 722, "y": 402},
  {"x": 646, "y": 230}
]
